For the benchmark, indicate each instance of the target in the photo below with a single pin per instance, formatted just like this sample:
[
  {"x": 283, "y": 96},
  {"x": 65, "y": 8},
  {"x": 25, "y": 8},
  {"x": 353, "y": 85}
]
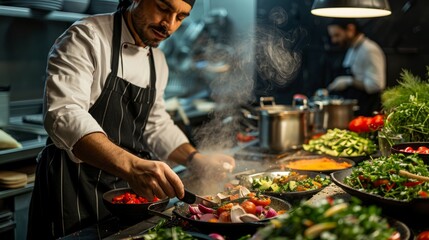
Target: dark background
[{"x": 403, "y": 36}]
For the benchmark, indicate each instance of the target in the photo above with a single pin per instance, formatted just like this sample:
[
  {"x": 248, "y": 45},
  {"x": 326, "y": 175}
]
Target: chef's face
[
  {"x": 340, "y": 36},
  {"x": 156, "y": 20}
]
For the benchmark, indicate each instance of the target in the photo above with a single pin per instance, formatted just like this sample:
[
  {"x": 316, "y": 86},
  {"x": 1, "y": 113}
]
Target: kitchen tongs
[{"x": 191, "y": 198}]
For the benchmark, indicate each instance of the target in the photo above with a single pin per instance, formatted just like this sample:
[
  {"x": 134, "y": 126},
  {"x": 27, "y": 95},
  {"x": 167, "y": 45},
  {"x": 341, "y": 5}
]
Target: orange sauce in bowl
[{"x": 317, "y": 164}]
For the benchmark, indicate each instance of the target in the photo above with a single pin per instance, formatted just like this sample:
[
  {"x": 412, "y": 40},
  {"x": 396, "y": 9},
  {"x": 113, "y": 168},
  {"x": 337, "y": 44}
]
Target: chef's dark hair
[
  {"x": 123, "y": 4},
  {"x": 343, "y": 22}
]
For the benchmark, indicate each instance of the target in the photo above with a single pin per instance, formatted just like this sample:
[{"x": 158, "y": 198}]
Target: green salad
[
  {"x": 328, "y": 220},
  {"x": 159, "y": 232},
  {"x": 381, "y": 176},
  {"x": 294, "y": 182}
]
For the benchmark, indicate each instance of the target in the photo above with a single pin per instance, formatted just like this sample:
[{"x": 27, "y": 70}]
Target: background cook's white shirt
[
  {"x": 368, "y": 64},
  {"x": 78, "y": 66}
]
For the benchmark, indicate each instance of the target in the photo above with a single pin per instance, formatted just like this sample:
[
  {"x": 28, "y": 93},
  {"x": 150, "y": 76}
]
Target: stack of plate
[
  {"x": 77, "y": 6},
  {"x": 12, "y": 179},
  {"x": 102, "y": 6},
  {"x": 48, "y": 5}
]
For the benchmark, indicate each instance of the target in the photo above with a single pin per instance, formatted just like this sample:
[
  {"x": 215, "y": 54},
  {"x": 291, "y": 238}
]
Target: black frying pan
[{"x": 232, "y": 230}]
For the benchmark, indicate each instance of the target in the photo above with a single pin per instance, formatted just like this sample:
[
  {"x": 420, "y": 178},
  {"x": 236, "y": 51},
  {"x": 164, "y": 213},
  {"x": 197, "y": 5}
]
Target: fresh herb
[
  {"x": 408, "y": 85},
  {"x": 381, "y": 176},
  {"x": 159, "y": 232}
]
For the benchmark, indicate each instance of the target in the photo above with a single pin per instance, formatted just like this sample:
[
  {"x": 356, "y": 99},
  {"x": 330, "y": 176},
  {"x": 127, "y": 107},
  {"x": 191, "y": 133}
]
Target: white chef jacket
[
  {"x": 78, "y": 65},
  {"x": 368, "y": 64}
]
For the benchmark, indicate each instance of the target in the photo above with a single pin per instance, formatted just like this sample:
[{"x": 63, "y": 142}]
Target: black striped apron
[{"x": 68, "y": 196}]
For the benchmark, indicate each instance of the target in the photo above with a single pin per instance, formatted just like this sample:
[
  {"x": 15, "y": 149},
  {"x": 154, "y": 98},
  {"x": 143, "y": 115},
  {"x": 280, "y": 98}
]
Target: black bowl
[
  {"x": 131, "y": 212},
  {"x": 415, "y": 145},
  {"x": 232, "y": 230},
  {"x": 414, "y": 212},
  {"x": 288, "y": 196}
]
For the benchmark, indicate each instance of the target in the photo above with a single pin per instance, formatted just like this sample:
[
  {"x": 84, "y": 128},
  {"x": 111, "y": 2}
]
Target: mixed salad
[
  {"x": 382, "y": 176},
  {"x": 293, "y": 182},
  {"x": 330, "y": 219}
]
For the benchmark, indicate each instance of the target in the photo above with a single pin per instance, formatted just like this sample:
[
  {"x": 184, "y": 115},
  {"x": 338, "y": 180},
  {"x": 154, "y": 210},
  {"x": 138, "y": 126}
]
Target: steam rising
[{"x": 276, "y": 58}]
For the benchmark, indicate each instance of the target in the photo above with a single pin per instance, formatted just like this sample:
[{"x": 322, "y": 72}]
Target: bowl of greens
[
  {"x": 288, "y": 185},
  {"x": 382, "y": 182},
  {"x": 334, "y": 219}
]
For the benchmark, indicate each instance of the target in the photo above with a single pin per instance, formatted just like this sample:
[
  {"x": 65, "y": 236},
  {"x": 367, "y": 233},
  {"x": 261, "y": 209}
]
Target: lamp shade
[{"x": 351, "y": 8}]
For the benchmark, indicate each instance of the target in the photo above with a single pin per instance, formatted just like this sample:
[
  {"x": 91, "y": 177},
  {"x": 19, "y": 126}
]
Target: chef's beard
[{"x": 152, "y": 43}]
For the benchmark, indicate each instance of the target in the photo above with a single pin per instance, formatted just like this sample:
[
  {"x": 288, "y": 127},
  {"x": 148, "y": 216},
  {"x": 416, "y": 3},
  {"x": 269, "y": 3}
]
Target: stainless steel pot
[
  {"x": 339, "y": 112},
  {"x": 281, "y": 127}
]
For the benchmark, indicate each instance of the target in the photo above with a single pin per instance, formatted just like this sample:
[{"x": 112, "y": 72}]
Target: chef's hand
[
  {"x": 341, "y": 83},
  {"x": 215, "y": 166},
  {"x": 155, "y": 178}
]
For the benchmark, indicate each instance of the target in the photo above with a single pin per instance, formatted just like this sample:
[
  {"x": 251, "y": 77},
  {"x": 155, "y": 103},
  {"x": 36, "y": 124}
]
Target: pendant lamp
[{"x": 351, "y": 8}]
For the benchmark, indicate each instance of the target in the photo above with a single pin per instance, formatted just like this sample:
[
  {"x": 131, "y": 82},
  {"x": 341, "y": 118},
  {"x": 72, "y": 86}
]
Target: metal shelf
[
  {"x": 22, "y": 12},
  {"x": 5, "y": 193}
]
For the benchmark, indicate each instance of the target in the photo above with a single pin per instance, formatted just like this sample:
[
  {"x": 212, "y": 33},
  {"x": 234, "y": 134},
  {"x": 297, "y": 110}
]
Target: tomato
[
  {"x": 376, "y": 122},
  {"x": 224, "y": 208},
  {"x": 409, "y": 150},
  {"x": 225, "y": 217},
  {"x": 423, "y": 236},
  {"x": 423, "y": 194},
  {"x": 241, "y": 137},
  {"x": 380, "y": 182},
  {"x": 249, "y": 207},
  {"x": 412, "y": 184},
  {"x": 155, "y": 199},
  {"x": 360, "y": 124},
  {"x": 260, "y": 200},
  {"x": 422, "y": 150}
]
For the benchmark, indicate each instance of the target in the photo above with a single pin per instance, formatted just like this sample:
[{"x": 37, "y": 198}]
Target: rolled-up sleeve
[{"x": 68, "y": 87}]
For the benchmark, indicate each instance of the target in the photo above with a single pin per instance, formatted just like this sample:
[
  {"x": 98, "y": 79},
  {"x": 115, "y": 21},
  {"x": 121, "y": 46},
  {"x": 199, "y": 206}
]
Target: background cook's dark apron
[
  {"x": 368, "y": 103},
  {"x": 68, "y": 196}
]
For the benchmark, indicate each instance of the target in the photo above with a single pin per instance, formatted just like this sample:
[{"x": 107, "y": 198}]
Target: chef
[
  {"x": 105, "y": 115},
  {"x": 363, "y": 73}
]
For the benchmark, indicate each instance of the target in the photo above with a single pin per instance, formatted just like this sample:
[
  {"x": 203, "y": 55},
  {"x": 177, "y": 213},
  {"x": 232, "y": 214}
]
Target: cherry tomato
[
  {"x": 260, "y": 200},
  {"x": 423, "y": 194},
  {"x": 249, "y": 207},
  {"x": 423, "y": 236}
]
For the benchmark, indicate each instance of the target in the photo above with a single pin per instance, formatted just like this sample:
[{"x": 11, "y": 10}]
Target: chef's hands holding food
[{"x": 211, "y": 165}]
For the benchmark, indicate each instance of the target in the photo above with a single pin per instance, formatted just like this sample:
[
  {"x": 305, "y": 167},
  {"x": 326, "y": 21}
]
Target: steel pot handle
[
  {"x": 262, "y": 101},
  {"x": 156, "y": 213}
]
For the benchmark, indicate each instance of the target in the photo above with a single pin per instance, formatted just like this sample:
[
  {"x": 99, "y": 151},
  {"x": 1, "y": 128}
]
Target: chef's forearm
[
  {"x": 181, "y": 154},
  {"x": 97, "y": 150}
]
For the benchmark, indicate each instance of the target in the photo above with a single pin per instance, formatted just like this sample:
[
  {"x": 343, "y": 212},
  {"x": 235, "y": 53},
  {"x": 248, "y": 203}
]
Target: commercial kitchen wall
[{"x": 403, "y": 36}]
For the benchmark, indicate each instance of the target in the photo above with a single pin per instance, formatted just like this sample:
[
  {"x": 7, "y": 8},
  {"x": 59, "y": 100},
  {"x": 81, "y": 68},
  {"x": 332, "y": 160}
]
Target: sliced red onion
[
  {"x": 259, "y": 210},
  {"x": 270, "y": 213},
  {"x": 194, "y": 210},
  {"x": 216, "y": 236},
  {"x": 206, "y": 217},
  {"x": 205, "y": 209},
  {"x": 194, "y": 217}
]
